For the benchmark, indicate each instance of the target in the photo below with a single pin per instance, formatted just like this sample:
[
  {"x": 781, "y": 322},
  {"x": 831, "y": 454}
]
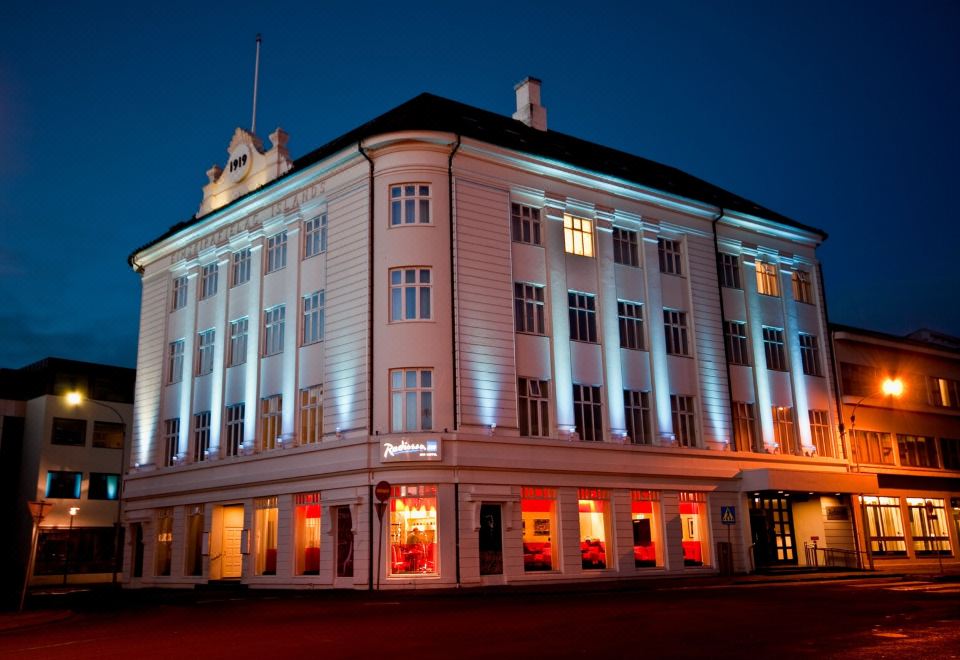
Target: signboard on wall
[
  {"x": 409, "y": 449},
  {"x": 837, "y": 513}
]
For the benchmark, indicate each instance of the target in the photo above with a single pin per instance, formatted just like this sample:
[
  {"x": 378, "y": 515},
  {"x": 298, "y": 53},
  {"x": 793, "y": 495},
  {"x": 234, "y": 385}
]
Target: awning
[{"x": 808, "y": 481}]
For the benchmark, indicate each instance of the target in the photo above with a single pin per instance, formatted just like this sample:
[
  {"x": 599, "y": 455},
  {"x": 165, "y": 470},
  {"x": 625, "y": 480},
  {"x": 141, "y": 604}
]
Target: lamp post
[
  {"x": 75, "y": 399},
  {"x": 74, "y": 510},
  {"x": 37, "y": 512}
]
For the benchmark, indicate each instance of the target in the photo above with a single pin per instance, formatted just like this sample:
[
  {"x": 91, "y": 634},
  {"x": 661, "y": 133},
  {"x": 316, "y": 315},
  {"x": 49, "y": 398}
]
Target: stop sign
[{"x": 382, "y": 491}]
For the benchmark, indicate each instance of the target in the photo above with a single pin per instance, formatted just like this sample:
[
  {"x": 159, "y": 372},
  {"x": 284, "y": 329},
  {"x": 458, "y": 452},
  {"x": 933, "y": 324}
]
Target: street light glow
[
  {"x": 74, "y": 398},
  {"x": 892, "y": 387}
]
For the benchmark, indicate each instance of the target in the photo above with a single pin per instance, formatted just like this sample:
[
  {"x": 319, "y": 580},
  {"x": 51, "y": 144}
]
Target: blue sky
[{"x": 840, "y": 115}]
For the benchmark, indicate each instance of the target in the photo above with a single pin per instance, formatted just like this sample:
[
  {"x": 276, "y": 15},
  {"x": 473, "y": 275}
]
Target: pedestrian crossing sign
[{"x": 728, "y": 515}]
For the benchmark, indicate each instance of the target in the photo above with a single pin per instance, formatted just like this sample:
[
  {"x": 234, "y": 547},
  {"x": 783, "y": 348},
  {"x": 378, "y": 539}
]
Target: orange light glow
[{"x": 893, "y": 387}]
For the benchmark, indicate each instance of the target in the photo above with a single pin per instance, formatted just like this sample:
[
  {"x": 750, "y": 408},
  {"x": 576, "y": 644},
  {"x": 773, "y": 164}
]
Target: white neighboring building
[{"x": 570, "y": 363}]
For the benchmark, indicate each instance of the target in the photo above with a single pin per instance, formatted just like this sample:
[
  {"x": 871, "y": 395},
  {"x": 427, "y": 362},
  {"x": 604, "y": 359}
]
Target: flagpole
[{"x": 256, "y": 77}]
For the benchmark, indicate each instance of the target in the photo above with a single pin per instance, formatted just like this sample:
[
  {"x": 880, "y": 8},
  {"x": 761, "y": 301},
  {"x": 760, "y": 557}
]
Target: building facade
[{"x": 567, "y": 363}]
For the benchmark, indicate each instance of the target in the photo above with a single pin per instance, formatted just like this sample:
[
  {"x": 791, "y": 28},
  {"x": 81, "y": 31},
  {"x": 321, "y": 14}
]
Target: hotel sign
[{"x": 410, "y": 449}]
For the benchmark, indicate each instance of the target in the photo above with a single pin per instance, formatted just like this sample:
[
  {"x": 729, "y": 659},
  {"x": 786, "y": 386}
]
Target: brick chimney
[{"x": 529, "y": 110}]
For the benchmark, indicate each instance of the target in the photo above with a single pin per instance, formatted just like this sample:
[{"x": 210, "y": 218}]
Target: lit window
[
  {"x": 735, "y": 336},
  {"x": 917, "y": 451},
  {"x": 525, "y": 224},
  {"x": 730, "y": 271},
  {"x": 528, "y": 308},
  {"x": 307, "y": 532},
  {"x": 315, "y": 236},
  {"x": 240, "y": 268},
  {"x": 163, "y": 551},
  {"x": 802, "y": 288},
  {"x": 636, "y": 406},
  {"x": 238, "y": 342},
  {"x": 669, "y": 252},
  {"x": 193, "y": 553},
  {"x": 625, "y": 247},
  {"x": 103, "y": 486},
  {"x": 744, "y": 426},
  {"x": 773, "y": 348},
  {"x": 783, "y": 429},
  {"x": 645, "y": 519},
  {"x": 201, "y": 436},
  {"x": 271, "y": 417},
  {"x": 411, "y": 400},
  {"x": 820, "y": 432},
  {"x": 534, "y": 406},
  {"x": 409, "y": 204},
  {"x": 675, "y": 332},
  {"x": 631, "y": 325},
  {"x": 266, "y": 516},
  {"x": 413, "y": 530},
  {"x": 108, "y": 435},
  {"x": 311, "y": 414},
  {"x": 205, "y": 341},
  {"x": 767, "y": 282},
  {"x": 595, "y": 529},
  {"x": 234, "y": 428},
  {"x": 684, "y": 420},
  {"x": 410, "y": 294},
  {"x": 577, "y": 236},
  {"x": 928, "y": 526},
  {"x": 277, "y": 252},
  {"x": 696, "y": 530},
  {"x": 538, "y": 507},
  {"x": 583, "y": 316},
  {"x": 810, "y": 355},
  {"x": 179, "y": 292},
  {"x": 943, "y": 392},
  {"x": 63, "y": 485},
  {"x": 175, "y": 361},
  {"x": 873, "y": 447},
  {"x": 273, "y": 324},
  {"x": 171, "y": 441},
  {"x": 208, "y": 280},
  {"x": 313, "y": 318},
  {"x": 71, "y": 432},
  {"x": 885, "y": 525},
  {"x": 587, "y": 412}
]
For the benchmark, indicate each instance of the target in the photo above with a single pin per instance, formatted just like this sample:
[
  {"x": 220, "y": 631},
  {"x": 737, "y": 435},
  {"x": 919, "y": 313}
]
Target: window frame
[
  {"x": 400, "y": 393},
  {"x": 630, "y": 322},
  {"x": 636, "y": 409},
  {"x": 774, "y": 348},
  {"x": 239, "y": 332},
  {"x": 175, "y": 351},
  {"x": 400, "y": 204},
  {"x": 768, "y": 282},
  {"x": 400, "y": 289},
  {"x": 181, "y": 287},
  {"x": 234, "y": 417},
  {"x": 529, "y": 308},
  {"x": 533, "y": 405},
  {"x": 240, "y": 267},
  {"x": 276, "y": 249},
  {"x": 110, "y": 429},
  {"x": 785, "y": 429},
  {"x": 730, "y": 271},
  {"x": 315, "y": 236},
  {"x": 626, "y": 247},
  {"x": 209, "y": 276},
  {"x": 206, "y": 343},
  {"x": 735, "y": 339},
  {"x": 820, "y": 433},
  {"x": 683, "y": 412},
  {"x": 312, "y": 317},
  {"x": 271, "y": 422},
  {"x": 810, "y": 354},
  {"x": 274, "y": 323},
  {"x": 745, "y": 436},
  {"x": 171, "y": 441},
  {"x": 670, "y": 256},
  {"x": 201, "y": 436},
  {"x": 675, "y": 332},
  {"x": 578, "y": 236},
  {"x": 588, "y": 408},
  {"x": 311, "y": 415},
  {"x": 58, "y": 432},
  {"x": 525, "y": 225},
  {"x": 801, "y": 283}
]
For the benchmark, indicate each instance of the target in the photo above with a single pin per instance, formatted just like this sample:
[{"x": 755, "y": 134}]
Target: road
[{"x": 860, "y": 619}]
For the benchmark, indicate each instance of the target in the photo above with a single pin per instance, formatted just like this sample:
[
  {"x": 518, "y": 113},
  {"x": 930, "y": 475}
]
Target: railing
[{"x": 818, "y": 557}]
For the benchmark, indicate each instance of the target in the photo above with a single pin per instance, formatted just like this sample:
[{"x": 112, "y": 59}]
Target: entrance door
[
  {"x": 344, "y": 542},
  {"x": 771, "y": 525},
  {"x": 137, "y": 549},
  {"x": 232, "y": 537},
  {"x": 491, "y": 540}
]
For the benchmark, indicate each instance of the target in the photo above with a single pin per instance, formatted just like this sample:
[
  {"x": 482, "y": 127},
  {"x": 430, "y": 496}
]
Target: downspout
[
  {"x": 370, "y": 431},
  {"x": 453, "y": 301},
  {"x": 723, "y": 320}
]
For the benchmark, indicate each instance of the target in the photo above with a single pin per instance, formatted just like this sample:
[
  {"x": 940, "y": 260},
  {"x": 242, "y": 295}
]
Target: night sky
[{"x": 841, "y": 115}]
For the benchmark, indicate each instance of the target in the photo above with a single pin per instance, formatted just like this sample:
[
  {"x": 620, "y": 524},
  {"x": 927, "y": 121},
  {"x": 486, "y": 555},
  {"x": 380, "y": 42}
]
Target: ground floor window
[
  {"x": 885, "y": 525},
  {"x": 538, "y": 508},
  {"x": 928, "y": 526},
  {"x": 163, "y": 554},
  {"x": 193, "y": 557},
  {"x": 77, "y": 550},
  {"x": 413, "y": 530},
  {"x": 306, "y": 515},
  {"x": 693, "y": 519},
  {"x": 265, "y": 528},
  {"x": 595, "y": 533},
  {"x": 645, "y": 519}
]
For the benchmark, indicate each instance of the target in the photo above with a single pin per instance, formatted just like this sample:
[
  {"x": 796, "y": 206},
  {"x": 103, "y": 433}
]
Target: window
[
  {"x": 171, "y": 441},
  {"x": 675, "y": 332},
  {"x": 528, "y": 308},
  {"x": 917, "y": 451},
  {"x": 315, "y": 236},
  {"x": 744, "y": 427},
  {"x": 306, "y": 520},
  {"x": 534, "y": 405},
  {"x": 410, "y": 294},
  {"x": 175, "y": 361},
  {"x": 240, "y": 268},
  {"x": 72, "y": 432},
  {"x": 103, "y": 486},
  {"x": 802, "y": 289},
  {"x": 108, "y": 435},
  {"x": 730, "y": 271},
  {"x": 773, "y": 349},
  {"x": 413, "y": 530},
  {"x": 311, "y": 414},
  {"x": 238, "y": 342},
  {"x": 409, "y": 204},
  {"x": 693, "y": 520},
  {"x": 670, "y": 256},
  {"x": 820, "y": 432},
  {"x": 810, "y": 355},
  {"x": 625, "y": 247},
  {"x": 784, "y": 434},
  {"x": 179, "y": 292},
  {"x": 767, "y": 282},
  {"x": 885, "y": 525},
  {"x": 205, "y": 352},
  {"x": 313, "y": 318},
  {"x": 208, "y": 280},
  {"x": 858, "y": 380},
  {"x": 928, "y": 526},
  {"x": 587, "y": 415},
  {"x": 950, "y": 450},
  {"x": 233, "y": 427},
  {"x": 273, "y": 322},
  {"x": 277, "y": 252},
  {"x": 193, "y": 553},
  {"x": 163, "y": 552},
  {"x": 873, "y": 447},
  {"x": 538, "y": 510},
  {"x": 631, "y": 325},
  {"x": 735, "y": 337},
  {"x": 577, "y": 236},
  {"x": 684, "y": 420},
  {"x": 583, "y": 316},
  {"x": 411, "y": 400},
  {"x": 636, "y": 407},
  {"x": 595, "y": 529},
  {"x": 645, "y": 519},
  {"x": 525, "y": 224},
  {"x": 265, "y": 519},
  {"x": 271, "y": 417},
  {"x": 943, "y": 392},
  {"x": 201, "y": 436},
  {"x": 64, "y": 485}
]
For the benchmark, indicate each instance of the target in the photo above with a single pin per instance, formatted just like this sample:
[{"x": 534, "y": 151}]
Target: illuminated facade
[{"x": 569, "y": 364}]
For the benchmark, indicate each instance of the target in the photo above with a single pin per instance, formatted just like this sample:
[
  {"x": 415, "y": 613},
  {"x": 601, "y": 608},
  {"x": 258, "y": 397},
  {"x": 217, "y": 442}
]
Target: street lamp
[
  {"x": 891, "y": 387},
  {"x": 37, "y": 512},
  {"x": 74, "y": 510}
]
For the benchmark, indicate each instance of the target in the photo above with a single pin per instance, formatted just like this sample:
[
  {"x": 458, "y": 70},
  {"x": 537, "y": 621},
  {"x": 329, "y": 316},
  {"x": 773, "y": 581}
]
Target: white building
[{"x": 570, "y": 363}]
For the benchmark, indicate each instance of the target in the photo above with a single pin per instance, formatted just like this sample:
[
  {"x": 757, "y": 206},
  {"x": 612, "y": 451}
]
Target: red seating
[
  {"x": 536, "y": 557},
  {"x": 645, "y": 553},
  {"x": 692, "y": 553},
  {"x": 270, "y": 563},
  {"x": 311, "y": 561}
]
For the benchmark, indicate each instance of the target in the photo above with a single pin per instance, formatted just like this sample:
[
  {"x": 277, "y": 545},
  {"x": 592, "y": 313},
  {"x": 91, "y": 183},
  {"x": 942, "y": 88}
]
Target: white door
[{"x": 232, "y": 559}]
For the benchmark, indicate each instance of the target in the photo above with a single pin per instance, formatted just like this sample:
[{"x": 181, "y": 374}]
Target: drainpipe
[
  {"x": 370, "y": 221},
  {"x": 723, "y": 320},
  {"x": 453, "y": 299}
]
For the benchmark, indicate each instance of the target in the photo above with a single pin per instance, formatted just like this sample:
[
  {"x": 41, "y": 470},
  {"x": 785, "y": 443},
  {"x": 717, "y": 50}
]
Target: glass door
[{"x": 491, "y": 540}]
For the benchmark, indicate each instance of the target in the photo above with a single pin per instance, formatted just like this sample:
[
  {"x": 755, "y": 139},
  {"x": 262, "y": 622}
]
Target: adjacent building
[{"x": 554, "y": 361}]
